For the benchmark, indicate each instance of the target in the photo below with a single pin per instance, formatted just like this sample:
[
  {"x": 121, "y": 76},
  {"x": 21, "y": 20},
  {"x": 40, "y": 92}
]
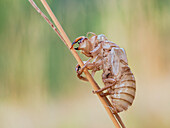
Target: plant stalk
[{"x": 114, "y": 117}]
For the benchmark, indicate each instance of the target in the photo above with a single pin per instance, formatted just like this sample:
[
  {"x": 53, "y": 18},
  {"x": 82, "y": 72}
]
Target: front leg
[
  {"x": 79, "y": 70},
  {"x": 87, "y": 65},
  {"x": 94, "y": 66}
]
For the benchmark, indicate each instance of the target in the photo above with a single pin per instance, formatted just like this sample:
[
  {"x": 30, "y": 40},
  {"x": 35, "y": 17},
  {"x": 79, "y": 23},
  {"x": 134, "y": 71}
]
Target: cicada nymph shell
[
  {"x": 122, "y": 93},
  {"x": 119, "y": 81}
]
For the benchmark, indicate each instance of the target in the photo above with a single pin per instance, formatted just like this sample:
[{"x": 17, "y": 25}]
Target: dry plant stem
[
  {"x": 120, "y": 120},
  {"x": 48, "y": 21},
  {"x": 66, "y": 40},
  {"x": 104, "y": 101}
]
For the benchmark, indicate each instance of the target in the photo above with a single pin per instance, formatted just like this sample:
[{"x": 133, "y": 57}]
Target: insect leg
[
  {"x": 102, "y": 94},
  {"x": 105, "y": 94},
  {"x": 109, "y": 80},
  {"x": 112, "y": 83},
  {"x": 90, "y": 66},
  {"x": 78, "y": 73},
  {"x": 102, "y": 89},
  {"x": 82, "y": 78},
  {"x": 87, "y": 65}
]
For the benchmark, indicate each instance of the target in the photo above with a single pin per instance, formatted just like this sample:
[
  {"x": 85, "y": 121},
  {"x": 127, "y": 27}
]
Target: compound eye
[
  {"x": 76, "y": 41},
  {"x": 79, "y": 41}
]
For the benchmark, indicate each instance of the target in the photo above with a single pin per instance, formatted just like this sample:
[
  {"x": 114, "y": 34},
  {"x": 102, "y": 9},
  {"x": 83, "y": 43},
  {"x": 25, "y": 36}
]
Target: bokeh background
[{"x": 38, "y": 83}]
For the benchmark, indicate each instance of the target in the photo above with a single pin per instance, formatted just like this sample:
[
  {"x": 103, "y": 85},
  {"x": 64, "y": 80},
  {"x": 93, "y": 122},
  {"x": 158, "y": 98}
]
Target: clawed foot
[
  {"x": 100, "y": 93},
  {"x": 96, "y": 92},
  {"x": 79, "y": 71}
]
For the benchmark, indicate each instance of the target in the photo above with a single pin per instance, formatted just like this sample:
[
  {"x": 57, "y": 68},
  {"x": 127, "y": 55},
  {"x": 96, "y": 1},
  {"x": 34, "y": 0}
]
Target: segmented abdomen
[{"x": 123, "y": 93}]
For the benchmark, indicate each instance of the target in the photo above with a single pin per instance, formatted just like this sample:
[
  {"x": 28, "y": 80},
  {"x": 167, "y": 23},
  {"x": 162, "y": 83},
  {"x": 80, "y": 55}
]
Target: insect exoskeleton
[{"x": 119, "y": 81}]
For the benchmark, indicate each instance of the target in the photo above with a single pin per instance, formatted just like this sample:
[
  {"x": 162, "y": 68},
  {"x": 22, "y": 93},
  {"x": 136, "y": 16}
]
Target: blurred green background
[{"x": 38, "y": 83}]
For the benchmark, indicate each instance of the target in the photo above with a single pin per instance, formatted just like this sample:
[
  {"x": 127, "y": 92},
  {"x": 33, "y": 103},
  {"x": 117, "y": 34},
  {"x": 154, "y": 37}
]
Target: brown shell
[{"x": 115, "y": 66}]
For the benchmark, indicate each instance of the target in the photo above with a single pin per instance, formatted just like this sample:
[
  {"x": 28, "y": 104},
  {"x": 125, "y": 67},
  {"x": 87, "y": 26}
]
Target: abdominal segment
[{"x": 123, "y": 93}]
